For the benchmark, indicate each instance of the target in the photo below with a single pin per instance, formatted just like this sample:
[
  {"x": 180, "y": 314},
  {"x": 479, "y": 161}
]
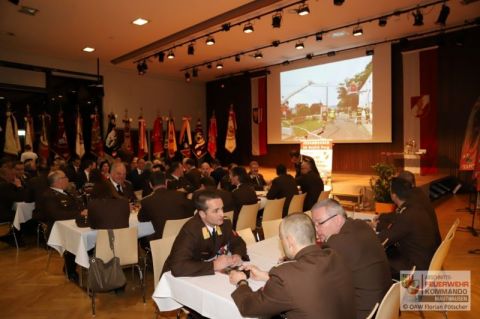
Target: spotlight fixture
[
  {"x": 299, "y": 45},
  {"x": 358, "y": 31},
  {"x": 309, "y": 56},
  {"x": 171, "y": 55},
  {"x": 88, "y": 49},
  {"x": 382, "y": 21},
  {"x": 190, "y": 49},
  {"x": 418, "y": 18},
  {"x": 209, "y": 65},
  {"x": 195, "y": 72},
  {"x": 331, "y": 53},
  {"x": 187, "y": 77},
  {"x": 369, "y": 52},
  {"x": 237, "y": 58},
  {"x": 277, "y": 20},
  {"x": 161, "y": 56},
  {"x": 219, "y": 65},
  {"x": 210, "y": 40},
  {"x": 258, "y": 55},
  {"x": 319, "y": 36},
  {"x": 442, "y": 17},
  {"x": 248, "y": 28},
  {"x": 286, "y": 62},
  {"x": 226, "y": 27},
  {"x": 276, "y": 43},
  {"x": 303, "y": 9},
  {"x": 338, "y": 2},
  {"x": 142, "y": 67}
]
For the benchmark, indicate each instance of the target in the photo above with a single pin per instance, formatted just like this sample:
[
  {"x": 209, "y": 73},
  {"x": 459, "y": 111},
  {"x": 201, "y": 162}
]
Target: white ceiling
[{"x": 63, "y": 28}]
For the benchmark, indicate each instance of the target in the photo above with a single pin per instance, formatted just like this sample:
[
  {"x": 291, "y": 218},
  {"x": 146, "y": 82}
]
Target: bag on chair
[{"x": 106, "y": 276}]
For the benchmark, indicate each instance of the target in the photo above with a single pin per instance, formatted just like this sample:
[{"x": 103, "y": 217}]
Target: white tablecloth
[
  {"x": 210, "y": 295},
  {"x": 23, "y": 213},
  {"x": 65, "y": 235}
]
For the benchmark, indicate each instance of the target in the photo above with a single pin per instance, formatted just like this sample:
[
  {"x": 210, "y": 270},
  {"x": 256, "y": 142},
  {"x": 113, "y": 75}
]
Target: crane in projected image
[{"x": 286, "y": 99}]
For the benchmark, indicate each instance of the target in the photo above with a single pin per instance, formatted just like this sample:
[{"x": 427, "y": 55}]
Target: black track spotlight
[
  {"x": 258, "y": 55},
  {"x": 237, "y": 58},
  {"x": 443, "y": 16},
  {"x": 209, "y": 65},
  {"x": 358, "y": 31},
  {"x": 248, "y": 28},
  {"x": 142, "y": 67},
  {"x": 277, "y": 20},
  {"x": 309, "y": 56},
  {"x": 338, "y": 2},
  {"x": 210, "y": 40},
  {"x": 191, "y": 49},
  {"x": 187, "y": 77},
  {"x": 286, "y": 62},
  {"x": 319, "y": 36},
  {"x": 299, "y": 45},
  {"x": 382, "y": 21},
  {"x": 417, "y": 18},
  {"x": 219, "y": 65},
  {"x": 226, "y": 27},
  {"x": 331, "y": 53},
  {"x": 195, "y": 72},
  {"x": 369, "y": 52},
  {"x": 276, "y": 43},
  {"x": 303, "y": 9},
  {"x": 171, "y": 55},
  {"x": 161, "y": 56}
]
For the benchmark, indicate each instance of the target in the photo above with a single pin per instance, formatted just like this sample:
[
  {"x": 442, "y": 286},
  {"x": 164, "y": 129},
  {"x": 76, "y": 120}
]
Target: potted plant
[{"x": 380, "y": 185}]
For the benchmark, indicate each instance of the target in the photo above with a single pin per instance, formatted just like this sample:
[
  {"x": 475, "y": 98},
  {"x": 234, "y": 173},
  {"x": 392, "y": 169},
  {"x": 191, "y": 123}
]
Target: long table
[
  {"x": 210, "y": 295},
  {"x": 66, "y": 235},
  {"x": 23, "y": 213}
]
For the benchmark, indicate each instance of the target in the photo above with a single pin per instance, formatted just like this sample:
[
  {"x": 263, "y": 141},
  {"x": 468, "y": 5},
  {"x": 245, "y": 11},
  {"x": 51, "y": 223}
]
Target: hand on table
[
  {"x": 256, "y": 273},
  {"x": 236, "y": 260},
  {"x": 84, "y": 213},
  {"x": 235, "y": 276},
  {"x": 222, "y": 262}
]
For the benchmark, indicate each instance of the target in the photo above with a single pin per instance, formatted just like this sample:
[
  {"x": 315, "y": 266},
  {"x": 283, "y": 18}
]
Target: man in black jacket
[
  {"x": 310, "y": 183},
  {"x": 243, "y": 194},
  {"x": 283, "y": 186}
]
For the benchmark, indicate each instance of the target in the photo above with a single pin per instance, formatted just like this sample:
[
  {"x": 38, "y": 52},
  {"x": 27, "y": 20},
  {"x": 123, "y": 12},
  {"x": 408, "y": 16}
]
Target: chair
[
  {"x": 247, "y": 218},
  {"x": 126, "y": 249},
  {"x": 324, "y": 195},
  {"x": 308, "y": 213},
  {"x": 247, "y": 236},
  {"x": 160, "y": 249},
  {"x": 270, "y": 228},
  {"x": 436, "y": 264},
  {"x": 273, "y": 209},
  {"x": 7, "y": 228},
  {"x": 296, "y": 204},
  {"x": 390, "y": 306},
  {"x": 372, "y": 313},
  {"x": 173, "y": 226},
  {"x": 229, "y": 215}
]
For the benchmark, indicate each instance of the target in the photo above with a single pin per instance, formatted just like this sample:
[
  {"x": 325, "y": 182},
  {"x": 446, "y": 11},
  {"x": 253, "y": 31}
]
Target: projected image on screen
[{"x": 331, "y": 100}]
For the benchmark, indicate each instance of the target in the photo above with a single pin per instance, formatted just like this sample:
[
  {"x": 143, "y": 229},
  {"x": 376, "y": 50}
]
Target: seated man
[
  {"x": 355, "y": 241},
  {"x": 176, "y": 179},
  {"x": 206, "y": 241},
  {"x": 192, "y": 175},
  {"x": 209, "y": 183},
  {"x": 310, "y": 183},
  {"x": 412, "y": 232},
  {"x": 256, "y": 179},
  {"x": 297, "y": 159},
  {"x": 283, "y": 186},
  {"x": 118, "y": 174},
  {"x": 314, "y": 284},
  {"x": 163, "y": 204},
  {"x": 243, "y": 194}
]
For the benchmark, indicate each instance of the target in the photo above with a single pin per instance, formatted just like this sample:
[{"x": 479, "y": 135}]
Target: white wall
[{"x": 124, "y": 89}]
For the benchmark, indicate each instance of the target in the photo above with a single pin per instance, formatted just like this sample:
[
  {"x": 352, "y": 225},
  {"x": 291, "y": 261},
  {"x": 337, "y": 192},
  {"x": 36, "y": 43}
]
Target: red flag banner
[
  {"x": 79, "y": 144},
  {"x": 259, "y": 115},
  {"x": 230, "y": 140},
  {"x": 127, "y": 138},
  {"x": 200, "y": 147},
  {"x": 470, "y": 153},
  {"x": 186, "y": 138},
  {"x": 61, "y": 143},
  {"x": 157, "y": 137},
  {"x": 172, "y": 141},
  {"x": 96, "y": 146},
  {"x": 43, "y": 151},
  {"x": 212, "y": 136},
  {"x": 142, "y": 138},
  {"x": 12, "y": 141}
]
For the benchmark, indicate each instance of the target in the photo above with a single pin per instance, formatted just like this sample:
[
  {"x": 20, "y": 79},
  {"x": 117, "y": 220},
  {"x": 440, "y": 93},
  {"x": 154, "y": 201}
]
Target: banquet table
[
  {"x": 23, "y": 213},
  {"x": 210, "y": 295},
  {"x": 66, "y": 235}
]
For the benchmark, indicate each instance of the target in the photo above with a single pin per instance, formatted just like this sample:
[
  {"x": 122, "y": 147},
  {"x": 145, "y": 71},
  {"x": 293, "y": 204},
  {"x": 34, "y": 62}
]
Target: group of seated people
[{"x": 335, "y": 265}]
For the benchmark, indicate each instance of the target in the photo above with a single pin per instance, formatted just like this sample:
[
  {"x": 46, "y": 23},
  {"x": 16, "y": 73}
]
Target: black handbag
[{"x": 103, "y": 276}]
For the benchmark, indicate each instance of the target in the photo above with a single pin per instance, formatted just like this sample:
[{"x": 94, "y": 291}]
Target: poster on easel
[{"x": 321, "y": 152}]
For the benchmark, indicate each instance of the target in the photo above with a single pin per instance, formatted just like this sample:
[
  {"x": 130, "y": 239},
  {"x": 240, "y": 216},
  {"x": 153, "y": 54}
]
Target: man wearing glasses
[{"x": 360, "y": 248}]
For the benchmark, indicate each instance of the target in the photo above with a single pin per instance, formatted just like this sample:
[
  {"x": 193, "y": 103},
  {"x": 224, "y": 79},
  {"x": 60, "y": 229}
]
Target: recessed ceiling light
[
  {"x": 88, "y": 49},
  {"x": 140, "y": 21},
  {"x": 338, "y": 34}
]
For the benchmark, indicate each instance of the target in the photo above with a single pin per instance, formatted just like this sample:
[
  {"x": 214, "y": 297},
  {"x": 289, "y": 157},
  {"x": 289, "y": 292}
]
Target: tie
[
  {"x": 119, "y": 189},
  {"x": 214, "y": 235}
]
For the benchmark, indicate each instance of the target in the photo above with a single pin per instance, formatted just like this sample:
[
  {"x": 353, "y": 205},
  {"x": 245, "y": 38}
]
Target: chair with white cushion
[
  {"x": 273, "y": 209},
  {"x": 296, "y": 204}
]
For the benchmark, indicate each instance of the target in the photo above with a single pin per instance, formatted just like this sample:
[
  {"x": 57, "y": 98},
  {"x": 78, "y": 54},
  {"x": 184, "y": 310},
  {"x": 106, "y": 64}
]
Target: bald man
[{"x": 124, "y": 188}]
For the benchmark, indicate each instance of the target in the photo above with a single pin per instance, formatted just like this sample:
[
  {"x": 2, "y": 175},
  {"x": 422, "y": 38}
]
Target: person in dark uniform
[
  {"x": 56, "y": 204},
  {"x": 356, "y": 242},
  {"x": 163, "y": 204},
  {"x": 192, "y": 175},
  {"x": 176, "y": 179},
  {"x": 314, "y": 283},
  {"x": 218, "y": 172},
  {"x": 283, "y": 186},
  {"x": 243, "y": 194},
  {"x": 227, "y": 198},
  {"x": 297, "y": 159},
  {"x": 310, "y": 183},
  {"x": 412, "y": 235},
  {"x": 135, "y": 174},
  {"x": 118, "y": 182},
  {"x": 84, "y": 176},
  {"x": 204, "y": 242},
  {"x": 72, "y": 170},
  {"x": 256, "y": 179}
]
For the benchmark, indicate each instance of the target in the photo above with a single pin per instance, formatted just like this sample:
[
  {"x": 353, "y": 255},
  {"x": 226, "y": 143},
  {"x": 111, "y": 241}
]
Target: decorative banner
[
  {"x": 43, "y": 150},
  {"x": 61, "y": 143},
  {"x": 12, "y": 141},
  {"x": 230, "y": 140},
  {"x": 29, "y": 132},
  {"x": 79, "y": 145},
  {"x": 142, "y": 137},
  {"x": 127, "y": 138},
  {"x": 200, "y": 147},
  {"x": 97, "y": 143},
  {"x": 321, "y": 152},
  {"x": 157, "y": 137},
  {"x": 472, "y": 140},
  {"x": 186, "y": 137},
  {"x": 172, "y": 141},
  {"x": 259, "y": 115},
  {"x": 212, "y": 136},
  {"x": 112, "y": 144}
]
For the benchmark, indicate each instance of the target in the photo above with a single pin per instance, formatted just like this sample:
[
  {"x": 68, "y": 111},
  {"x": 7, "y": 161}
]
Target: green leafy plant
[{"x": 380, "y": 183}]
